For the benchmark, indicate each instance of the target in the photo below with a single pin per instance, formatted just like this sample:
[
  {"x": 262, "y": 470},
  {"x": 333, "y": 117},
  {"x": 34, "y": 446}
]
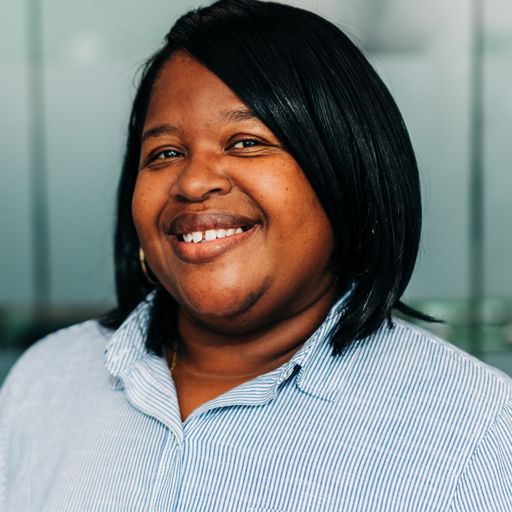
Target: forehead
[{"x": 186, "y": 87}]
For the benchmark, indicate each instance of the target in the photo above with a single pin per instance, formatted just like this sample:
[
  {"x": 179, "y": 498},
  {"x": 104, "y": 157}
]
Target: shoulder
[
  {"x": 419, "y": 363},
  {"x": 426, "y": 382},
  {"x": 461, "y": 405},
  {"x": 415, "y": 348},
  {"x": 62, "y": 348},
  {"x": 431, "y": 408},
  {"x": 56, "y": 360},
  {"x": 448, "y": 364}
]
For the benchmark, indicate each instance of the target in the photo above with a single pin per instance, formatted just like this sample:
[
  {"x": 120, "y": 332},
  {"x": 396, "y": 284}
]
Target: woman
[{"x": 268, "y": 223}]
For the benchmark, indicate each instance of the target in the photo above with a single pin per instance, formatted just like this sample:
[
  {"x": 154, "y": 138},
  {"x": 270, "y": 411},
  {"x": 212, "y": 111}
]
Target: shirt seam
[{"x": 499, "y": 414}]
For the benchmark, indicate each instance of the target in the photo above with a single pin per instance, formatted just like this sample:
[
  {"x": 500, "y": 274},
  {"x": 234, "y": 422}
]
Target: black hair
[{"x": 315, "y": 90}]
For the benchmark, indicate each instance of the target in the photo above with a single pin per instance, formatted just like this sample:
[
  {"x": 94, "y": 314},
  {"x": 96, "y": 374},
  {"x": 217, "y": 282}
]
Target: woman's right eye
[
  {"x": 165, "y": 154},
  {"x": 161, "y": 156}
]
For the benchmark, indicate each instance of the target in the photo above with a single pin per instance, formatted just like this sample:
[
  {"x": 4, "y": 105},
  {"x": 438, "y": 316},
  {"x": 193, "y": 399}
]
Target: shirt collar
[
  {"x": 127, "y": 345},
  {"x": 318, "y": 372}
]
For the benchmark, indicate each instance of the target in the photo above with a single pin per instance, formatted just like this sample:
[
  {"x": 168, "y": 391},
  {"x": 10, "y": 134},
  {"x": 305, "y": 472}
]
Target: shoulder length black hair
[{"x": 305, "y": 80}]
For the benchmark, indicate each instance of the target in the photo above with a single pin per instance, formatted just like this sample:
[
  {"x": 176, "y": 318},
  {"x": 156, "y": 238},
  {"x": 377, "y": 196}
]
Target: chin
[{"x": 210, "y": 307}]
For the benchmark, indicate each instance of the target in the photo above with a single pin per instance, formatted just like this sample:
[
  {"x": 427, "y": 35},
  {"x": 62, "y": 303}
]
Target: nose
[{"x": 201, "y": 177}]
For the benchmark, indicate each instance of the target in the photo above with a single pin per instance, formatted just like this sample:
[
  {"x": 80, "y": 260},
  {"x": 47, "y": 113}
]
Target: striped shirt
[{"x": 403, "y": 421}]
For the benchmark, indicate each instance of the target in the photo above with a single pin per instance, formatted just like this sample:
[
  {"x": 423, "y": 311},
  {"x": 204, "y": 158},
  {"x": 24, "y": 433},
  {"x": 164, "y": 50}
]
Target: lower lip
[{"x": 204, "y": 252}]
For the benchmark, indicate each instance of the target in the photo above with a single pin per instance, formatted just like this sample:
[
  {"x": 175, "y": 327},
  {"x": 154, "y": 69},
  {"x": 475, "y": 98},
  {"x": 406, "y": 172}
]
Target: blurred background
[{"x": 67, "y": 81}]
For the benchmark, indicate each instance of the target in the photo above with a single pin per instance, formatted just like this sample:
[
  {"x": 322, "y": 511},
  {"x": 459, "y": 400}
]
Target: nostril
[
  {"x": 200, "y": 180},
  {"x": 198, "y": 196}
]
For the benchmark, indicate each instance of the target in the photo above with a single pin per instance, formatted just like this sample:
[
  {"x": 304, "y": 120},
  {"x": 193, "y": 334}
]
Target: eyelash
[
  {"x": 256, "y": 143},
  {"x": 159, "y": 154}
]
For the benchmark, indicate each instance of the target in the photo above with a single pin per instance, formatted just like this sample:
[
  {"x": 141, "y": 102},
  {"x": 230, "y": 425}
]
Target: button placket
[{"x": 167, "y": 482}]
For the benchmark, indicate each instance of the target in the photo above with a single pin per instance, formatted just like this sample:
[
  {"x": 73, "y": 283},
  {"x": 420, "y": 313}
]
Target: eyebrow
[
  {"x": 226, "y": 115},
  {"x": 243, "y": 114},
  {"x": 161, "y": 129}
]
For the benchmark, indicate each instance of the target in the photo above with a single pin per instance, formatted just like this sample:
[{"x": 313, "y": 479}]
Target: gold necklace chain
[{"x": 174, "y": 356}]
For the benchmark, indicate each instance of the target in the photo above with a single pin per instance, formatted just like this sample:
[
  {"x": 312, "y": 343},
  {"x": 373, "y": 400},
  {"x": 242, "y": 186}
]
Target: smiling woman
[
  {"x": 214, "y": 171},
  {"x": 269, "y": 219}
]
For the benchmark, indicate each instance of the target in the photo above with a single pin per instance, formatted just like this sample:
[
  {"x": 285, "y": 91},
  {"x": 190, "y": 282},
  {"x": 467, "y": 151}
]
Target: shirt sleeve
[
  {"x": 486, "y": 483},
  {"x": 3, "y": 446},
  {"x": 9, "y": 403}
]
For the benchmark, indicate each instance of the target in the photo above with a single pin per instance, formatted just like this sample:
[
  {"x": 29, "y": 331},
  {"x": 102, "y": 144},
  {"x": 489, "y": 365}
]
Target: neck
[{"x": 209, "y": 353}]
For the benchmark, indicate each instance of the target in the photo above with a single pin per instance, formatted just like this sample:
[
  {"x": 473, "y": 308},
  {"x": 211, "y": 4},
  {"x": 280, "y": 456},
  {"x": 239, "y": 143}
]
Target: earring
[{"x": 144, "y": 268}]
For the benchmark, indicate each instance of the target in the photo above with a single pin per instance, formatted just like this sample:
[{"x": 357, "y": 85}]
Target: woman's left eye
[{"x": 245, "y": 143}]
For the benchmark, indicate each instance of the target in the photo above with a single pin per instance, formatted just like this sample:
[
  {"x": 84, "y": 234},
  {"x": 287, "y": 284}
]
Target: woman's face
[{"x": 228, "y": 222}]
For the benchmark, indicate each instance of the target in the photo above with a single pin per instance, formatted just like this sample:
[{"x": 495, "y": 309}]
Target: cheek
[
  {"x": 310, "y": 239},
  {"x": 147, "y": 203},
  {"x": 297, "y": 209}
]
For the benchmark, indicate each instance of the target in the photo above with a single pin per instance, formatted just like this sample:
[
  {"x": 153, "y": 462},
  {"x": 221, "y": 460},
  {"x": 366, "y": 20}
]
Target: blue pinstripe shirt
[{"x": 402, "y": 422}]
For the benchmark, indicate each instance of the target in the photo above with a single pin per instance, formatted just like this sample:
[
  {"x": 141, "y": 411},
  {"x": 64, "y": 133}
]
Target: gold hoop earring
[{"x": 144, "y": 268}]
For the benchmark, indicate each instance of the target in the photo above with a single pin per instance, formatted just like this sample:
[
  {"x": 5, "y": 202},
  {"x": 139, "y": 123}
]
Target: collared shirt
[{"x": 402, "y": 421}]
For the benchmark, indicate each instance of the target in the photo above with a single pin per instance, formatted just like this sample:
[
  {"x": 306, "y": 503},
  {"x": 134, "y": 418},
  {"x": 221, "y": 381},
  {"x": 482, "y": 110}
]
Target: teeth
[{"x": 211, "y": 234}]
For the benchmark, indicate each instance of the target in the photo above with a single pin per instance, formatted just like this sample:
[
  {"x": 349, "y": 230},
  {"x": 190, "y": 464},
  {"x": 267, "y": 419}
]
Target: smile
[
  {"x": 210, "y": 235},
  {"x": 201, "y": 237},
  {"x": 205, "y": 246}
]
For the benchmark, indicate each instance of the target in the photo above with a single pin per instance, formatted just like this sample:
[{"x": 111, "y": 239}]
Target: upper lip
[{"x": 189, "y": 222}]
